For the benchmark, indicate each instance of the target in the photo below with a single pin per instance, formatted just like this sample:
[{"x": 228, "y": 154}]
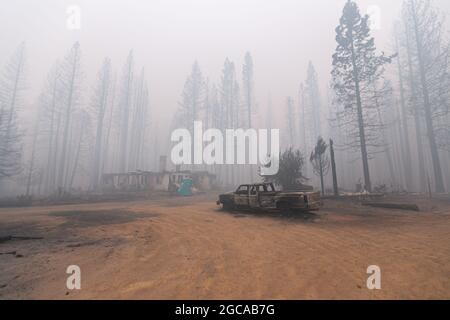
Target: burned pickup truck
[{"x": 264, "y": 196}]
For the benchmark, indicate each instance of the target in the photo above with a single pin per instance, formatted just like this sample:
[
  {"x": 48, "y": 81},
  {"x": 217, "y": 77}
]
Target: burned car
[{"x": 265, "y": 196}]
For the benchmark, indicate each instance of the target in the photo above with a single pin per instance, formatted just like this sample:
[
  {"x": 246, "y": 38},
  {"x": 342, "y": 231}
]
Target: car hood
[{"x": 227, "y": 193}]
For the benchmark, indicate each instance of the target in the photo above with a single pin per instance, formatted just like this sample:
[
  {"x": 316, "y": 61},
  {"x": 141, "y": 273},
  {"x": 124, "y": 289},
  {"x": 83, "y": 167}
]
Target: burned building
[{"x": 156, "y": 181}]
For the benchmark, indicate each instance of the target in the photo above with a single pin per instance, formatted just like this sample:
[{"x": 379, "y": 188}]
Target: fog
[{"x": 168, "y": 36}]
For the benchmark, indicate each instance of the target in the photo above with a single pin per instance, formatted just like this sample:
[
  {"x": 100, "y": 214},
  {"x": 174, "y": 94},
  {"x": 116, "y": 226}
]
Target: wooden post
[{"x": 333, "y": 169}]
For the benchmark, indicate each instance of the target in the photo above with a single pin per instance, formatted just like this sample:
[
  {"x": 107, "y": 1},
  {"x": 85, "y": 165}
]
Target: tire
[
  {"x": 228, "y": 206},
  {"x": 283, "y": 207}
]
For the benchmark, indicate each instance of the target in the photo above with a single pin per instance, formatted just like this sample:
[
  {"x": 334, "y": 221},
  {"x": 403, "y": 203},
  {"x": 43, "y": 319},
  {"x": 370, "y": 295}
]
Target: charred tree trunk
[
  {"x": 322, "y": 186},
  {"x": 439, "y": 183},
  {"x": 33, "y": 158},
  {"x": 404, "y": 125},
  {"x": 71, "y": 89},
  {"x": 123, "y": 154},
  {"x": 333, "y": 169},
  {"x": 420, "y": 157},
  {"x": 77, "y": 157},
  {"x": 362, "y": 134}
]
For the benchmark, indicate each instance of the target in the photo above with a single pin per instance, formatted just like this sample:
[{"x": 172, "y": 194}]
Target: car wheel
[{"x": 228, "y": 206}]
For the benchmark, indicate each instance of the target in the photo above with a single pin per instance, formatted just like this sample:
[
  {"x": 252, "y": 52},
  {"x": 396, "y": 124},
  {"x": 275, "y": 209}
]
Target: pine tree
[
  {"x": 191, "y": 99},
  {"x": 355, "y": 65}
]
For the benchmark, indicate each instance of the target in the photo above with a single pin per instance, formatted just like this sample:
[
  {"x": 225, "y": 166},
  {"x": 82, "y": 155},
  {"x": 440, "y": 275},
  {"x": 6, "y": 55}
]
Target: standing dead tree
[
  {"x": 70, "y": 85},
  {"x": 333, "y": 169},
  {"x": 139, "y": 127},
  {"x": 314, "y": 102},
  {"x": 404, "y": 113},
  {"x": 229, "y": 102},
  {"x": 125, "y": 103},
  {"x": 430, "y": 59},
  {"x": 12, "y": 86},
  {"x": 99, "y": 103},
  {"x": 248, "y": 88},
  {"x": 291, "y": 123}
]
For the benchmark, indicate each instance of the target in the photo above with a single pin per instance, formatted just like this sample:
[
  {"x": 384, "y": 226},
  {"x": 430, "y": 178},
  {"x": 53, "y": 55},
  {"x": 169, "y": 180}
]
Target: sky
[{"x": 167, "y": 36}]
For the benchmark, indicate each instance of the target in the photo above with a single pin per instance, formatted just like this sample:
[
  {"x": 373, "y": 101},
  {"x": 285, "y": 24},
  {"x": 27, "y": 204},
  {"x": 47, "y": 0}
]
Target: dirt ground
[{"x": 188, "y": 248}]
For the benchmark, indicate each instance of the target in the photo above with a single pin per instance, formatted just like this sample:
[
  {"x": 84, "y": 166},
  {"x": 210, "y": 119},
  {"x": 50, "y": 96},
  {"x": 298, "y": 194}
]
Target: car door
[
  {"x": 253, "y": 197},
  {"x": 241, "y": 196}
]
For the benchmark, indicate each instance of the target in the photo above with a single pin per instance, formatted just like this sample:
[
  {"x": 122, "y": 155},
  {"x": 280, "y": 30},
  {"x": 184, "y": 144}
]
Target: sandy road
[{"x": 189, "y": 249}]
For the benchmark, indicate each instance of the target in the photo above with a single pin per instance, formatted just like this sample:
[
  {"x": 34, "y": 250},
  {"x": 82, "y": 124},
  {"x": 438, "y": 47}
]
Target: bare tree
[
  {"x": 108, "y": 150},
  {"x": 139, "y": 126},
  {"x": 314, "y": 102},
  {"x": 229, "y": 108},
  {"x": 291, "y": 123},
  {"x": 31, "y": 170},
  {"x": 404, "y": 115},
  {"x": 52, "y": 100},
  {"x": 99, "y": 105},
  {"x": 125, "y": 105},
  {"x": 430, "y": 56},
  {"x": 70, "y": 81},
  {"x": 81, "y": 163},
  {"x": 12, "y": 86}
]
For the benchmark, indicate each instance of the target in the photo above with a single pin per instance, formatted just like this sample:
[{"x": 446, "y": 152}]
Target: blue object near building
[{"x": 186, "y": 187}]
